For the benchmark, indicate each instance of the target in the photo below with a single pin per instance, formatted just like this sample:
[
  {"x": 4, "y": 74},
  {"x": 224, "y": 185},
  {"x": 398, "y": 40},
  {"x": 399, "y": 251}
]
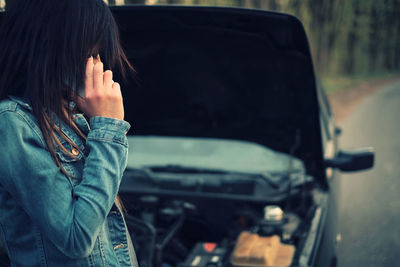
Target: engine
[{"x": 172, "y": 230}]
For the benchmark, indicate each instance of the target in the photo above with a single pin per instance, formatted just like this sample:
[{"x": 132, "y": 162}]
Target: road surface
[{"x": 369, "y": 215}]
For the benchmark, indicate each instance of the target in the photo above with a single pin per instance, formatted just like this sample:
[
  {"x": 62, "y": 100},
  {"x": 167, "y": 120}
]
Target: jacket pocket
[
  {"x": 72, "y": 162},
  {"x": 73, "y": 154}
]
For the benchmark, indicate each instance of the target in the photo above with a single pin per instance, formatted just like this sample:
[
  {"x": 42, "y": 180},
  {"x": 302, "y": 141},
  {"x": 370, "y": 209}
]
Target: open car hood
[{"x": 222, "y": 73}]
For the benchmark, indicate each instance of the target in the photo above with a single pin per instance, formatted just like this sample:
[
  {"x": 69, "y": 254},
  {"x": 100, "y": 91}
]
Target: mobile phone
[{"x": 80, "y": 91}]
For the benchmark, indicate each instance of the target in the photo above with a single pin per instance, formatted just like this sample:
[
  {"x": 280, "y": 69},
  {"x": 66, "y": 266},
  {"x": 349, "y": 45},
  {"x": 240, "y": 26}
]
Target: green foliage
[{"x": 335, "y": 83}]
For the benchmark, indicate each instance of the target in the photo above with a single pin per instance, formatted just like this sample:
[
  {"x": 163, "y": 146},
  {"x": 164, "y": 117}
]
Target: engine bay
[{"x": 169, "y": 229}]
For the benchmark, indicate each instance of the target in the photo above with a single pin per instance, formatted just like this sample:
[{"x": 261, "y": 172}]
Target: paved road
[{"x": 370, "y": 201}]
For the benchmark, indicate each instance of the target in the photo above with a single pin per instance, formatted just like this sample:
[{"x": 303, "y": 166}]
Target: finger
[
  {"x": 97, "y": 59},
  {"x": 116, "y": 87},
  {"x": 89, "y": 74},
  {"x": 108, "y": 79},
  {"x": 98, "y": 76}
]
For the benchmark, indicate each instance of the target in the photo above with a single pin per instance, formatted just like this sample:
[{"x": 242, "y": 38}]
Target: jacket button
[
  {"x": 75, "y": 152},
  {"x": 119, "y": 246}
]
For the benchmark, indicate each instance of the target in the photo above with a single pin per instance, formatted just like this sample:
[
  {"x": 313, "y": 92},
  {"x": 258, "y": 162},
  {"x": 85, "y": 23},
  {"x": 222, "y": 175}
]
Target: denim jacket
[{"x": 48, "y": 218}]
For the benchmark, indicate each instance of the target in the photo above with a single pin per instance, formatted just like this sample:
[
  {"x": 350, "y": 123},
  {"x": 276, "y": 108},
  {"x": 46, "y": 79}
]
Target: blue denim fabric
[{"x": 48, "y": 218}]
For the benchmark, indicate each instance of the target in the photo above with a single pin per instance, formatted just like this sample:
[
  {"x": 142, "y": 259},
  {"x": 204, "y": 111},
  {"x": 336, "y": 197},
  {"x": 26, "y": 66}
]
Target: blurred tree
[
  {"x": 389, "y": 34},
  {"x": 352, "y": 39},
  {"x": 373, "y": 44},
  {"x": 396, "y": 39}
]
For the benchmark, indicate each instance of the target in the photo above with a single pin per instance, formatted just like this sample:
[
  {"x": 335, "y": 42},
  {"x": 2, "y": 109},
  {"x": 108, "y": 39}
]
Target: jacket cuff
[{"x": 108, "y": 129}]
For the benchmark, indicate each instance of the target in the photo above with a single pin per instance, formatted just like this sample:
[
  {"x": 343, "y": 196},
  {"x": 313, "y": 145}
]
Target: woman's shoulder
[
  {"x": 16, "y": 116},
  {"x": 14, "y": 104},
  {"x": 16, "y": 109}
]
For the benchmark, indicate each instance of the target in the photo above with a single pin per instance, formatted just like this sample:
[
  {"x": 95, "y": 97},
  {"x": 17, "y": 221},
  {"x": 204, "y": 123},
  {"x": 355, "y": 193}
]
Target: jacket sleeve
[{"x": 70, "y": 218}]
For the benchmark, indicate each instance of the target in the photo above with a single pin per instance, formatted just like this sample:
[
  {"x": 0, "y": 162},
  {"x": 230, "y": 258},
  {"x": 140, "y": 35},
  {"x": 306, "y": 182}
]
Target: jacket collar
[
  {"x": 79, "y": 119},
  {"x": 23, "y": 101}
]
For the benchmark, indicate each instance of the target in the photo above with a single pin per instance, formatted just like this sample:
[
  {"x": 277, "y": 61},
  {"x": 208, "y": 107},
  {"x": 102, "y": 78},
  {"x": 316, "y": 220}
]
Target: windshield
[{"x": 208, "y": 153}]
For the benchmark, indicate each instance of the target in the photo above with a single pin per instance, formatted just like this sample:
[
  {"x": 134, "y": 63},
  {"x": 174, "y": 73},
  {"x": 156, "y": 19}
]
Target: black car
[{"x": 233, "y": 149}]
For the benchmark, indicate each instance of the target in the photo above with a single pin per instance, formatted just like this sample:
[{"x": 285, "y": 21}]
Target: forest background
[{"x": 351, "y": 40}]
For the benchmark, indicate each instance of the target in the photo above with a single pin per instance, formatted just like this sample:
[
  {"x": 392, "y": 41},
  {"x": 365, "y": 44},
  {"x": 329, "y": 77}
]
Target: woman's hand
[{"x": 102, "y": 95}]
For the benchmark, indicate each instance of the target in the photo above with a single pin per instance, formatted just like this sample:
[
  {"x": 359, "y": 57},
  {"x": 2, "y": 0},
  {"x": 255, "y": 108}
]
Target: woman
[{"x": 60, "y": 170}]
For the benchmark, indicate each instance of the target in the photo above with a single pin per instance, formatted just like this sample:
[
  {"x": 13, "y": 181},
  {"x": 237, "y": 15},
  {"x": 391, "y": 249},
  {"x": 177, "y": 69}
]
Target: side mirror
[{"x": 353, "y": 159}]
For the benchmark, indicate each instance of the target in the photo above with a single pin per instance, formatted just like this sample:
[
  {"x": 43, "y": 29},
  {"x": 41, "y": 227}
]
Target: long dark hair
[{"x": 44, "y": 45}]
